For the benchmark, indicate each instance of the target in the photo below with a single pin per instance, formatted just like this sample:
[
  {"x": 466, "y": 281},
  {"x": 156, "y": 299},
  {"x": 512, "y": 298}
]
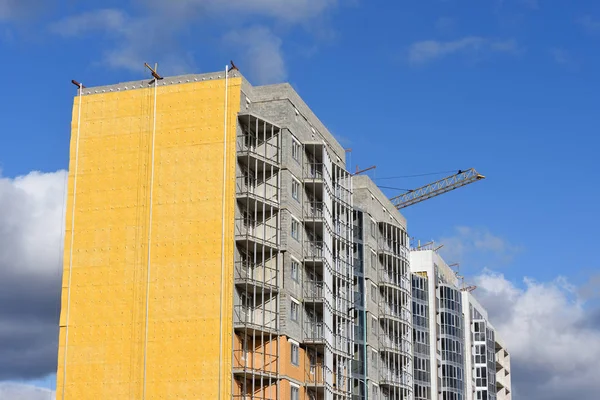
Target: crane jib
[{"x": 441, "y": 186}]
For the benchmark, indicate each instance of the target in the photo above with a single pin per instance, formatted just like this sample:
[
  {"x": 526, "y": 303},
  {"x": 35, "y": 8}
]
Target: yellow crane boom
[{"x": 442, "y": 186}]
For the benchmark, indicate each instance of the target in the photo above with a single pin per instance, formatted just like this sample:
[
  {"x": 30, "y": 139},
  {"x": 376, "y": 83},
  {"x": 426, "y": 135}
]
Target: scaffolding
[
  {"x": 395, "y": 314},
  {"x": 258, "y": 260},
  {"x": 327, "y": 263}
]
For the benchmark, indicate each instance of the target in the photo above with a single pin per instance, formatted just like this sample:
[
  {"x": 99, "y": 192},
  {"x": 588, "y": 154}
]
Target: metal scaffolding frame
[
  {"x": 258, "y": 260},
  {"x": 327, "y": 264}
]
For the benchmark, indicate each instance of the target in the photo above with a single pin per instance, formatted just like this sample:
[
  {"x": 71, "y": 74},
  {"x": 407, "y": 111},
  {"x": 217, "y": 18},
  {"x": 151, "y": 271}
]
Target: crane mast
[{"x": 434, "y": 189}]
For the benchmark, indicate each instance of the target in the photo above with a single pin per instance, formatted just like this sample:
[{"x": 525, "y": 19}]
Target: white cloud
[
  {"x": 263, "y": 52},
  {"x": 135, "y": 39},
  {"x": 288, "y": 11},
  {"x": 154, "y": 31},
  {"x": 468, "y": 242},
  {"x": 110, "y": 20},
  {"x": 430, "y": 50},
  {"x": 31, "y": 231},
  {"x": 550, "y": 333},
  {"x": 17, "y": 391}
]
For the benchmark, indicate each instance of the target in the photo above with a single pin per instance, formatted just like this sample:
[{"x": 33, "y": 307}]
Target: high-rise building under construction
[
  {"x": 209, "y": 245},
  {"x": 217, "y": 247}
]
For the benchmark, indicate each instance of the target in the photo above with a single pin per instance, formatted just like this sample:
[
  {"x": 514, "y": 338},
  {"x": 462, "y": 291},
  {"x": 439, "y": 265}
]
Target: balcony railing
[
  {"x": 256, "y": 274},
  {"x": 315, "y": 210},
  {"x": 313, "y": 289},
  {"x": 314, "y": 331},
  {"x": 248, "y": 186},
  {"x": 318, "y": 375},
  {"x": 395, "y": 311},
  {"x": 265, "y": 150},
  {"x": 391, "y": 247},
  {"x": 255, "y": 318},
  {"x": 341, "y": 343},
  {"x": 313, "y": 171},
  {"x": 394, "y": 377},
  {"x": 314, "y": 249},
  {"x": 396, "y": 343},
  {"x": 342, "y": 268},
  {"x": 398, "y": 280},
  {"x": 259, "y": 231}
]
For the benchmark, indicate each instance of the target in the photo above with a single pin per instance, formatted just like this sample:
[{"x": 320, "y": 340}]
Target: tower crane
[{"x": 461, "y": 178}]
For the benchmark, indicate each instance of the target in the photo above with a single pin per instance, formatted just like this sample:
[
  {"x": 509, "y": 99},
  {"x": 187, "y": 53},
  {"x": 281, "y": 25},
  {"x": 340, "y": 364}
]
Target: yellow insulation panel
[{"x": 185, "y": 352}]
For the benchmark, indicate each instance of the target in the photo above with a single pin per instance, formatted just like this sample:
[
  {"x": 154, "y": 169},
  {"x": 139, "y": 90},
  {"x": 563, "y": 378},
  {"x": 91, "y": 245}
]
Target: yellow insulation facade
[{"x": 185, "y": 351}]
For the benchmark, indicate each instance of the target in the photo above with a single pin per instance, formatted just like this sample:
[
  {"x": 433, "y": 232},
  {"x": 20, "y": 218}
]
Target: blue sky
[{"x": 509, "y": 87}]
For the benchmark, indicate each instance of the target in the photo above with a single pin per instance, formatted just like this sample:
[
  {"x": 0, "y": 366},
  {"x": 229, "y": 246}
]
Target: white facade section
[
  {"x": 446, "y": 324},
  {"x": 487, "y": 361}
]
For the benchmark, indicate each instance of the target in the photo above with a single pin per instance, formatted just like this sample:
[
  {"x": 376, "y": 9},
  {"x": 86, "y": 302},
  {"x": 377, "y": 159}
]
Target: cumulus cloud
[
  {"x": 288, "y": 11},
  {"x": 431, "y": 50},
  {"x": 555, "y": 350},
  {"x": 134, "y": 39},
  {"x": 263, "y": 52},
  {"x": 154, "y": 29},
  {"x": 468, "y": 242},
  {"x": 31, "y": 231},
  {"x": 17, "y": 391}
]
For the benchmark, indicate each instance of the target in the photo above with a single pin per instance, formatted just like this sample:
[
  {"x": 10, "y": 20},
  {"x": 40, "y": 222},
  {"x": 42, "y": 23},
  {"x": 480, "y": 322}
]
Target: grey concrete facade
[
  {"x": 314, "y": 240},
  {"x": 384, "y": 355}
]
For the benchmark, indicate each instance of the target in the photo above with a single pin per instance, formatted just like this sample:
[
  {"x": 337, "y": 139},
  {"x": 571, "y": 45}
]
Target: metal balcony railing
[
  {"x": 402, "y": 281},
  {"x": 314, "y": 331},
  {"x": 259, "y": 231},
  {"x": 248, "y": 186},
  {"x": 395, "y": 248},
  {"x": 256, "y": 274},
  {"x": 317, "y": 375},
  {"x": 248, "y": 144},
  {"x": 313, "y": 289},
  {"x": 397, "y": 343},
  {"x": 255, "y": 317},
  {"x": 313, "y": 171},
  {"x": 395, "y": 311},
  {"x": 314, "y": 249},
  {"x": 315, "y": 210},
  {"x": 394, "y": 377},
  {"x": 341, "y": 343},
  {"x": 342, "y": 268}
]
